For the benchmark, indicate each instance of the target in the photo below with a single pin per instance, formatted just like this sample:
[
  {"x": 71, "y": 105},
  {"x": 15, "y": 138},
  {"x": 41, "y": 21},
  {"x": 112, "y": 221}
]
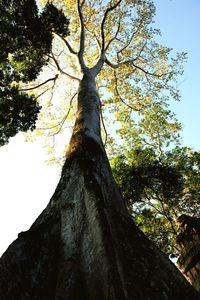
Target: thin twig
[
  {"x": 38, "y": 96},
  {"x": 131, "y": 61},
  {"x": 65, "y": 117},
  {"x": 115, "y": 37},
  {"x": 118, "y": 94},
  {"x": 130, "y": 40},
  {"x": 61, "y": 70}
]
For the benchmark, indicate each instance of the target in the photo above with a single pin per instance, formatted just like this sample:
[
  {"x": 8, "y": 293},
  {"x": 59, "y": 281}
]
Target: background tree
[
  {"x": 158, "y": 191},
  {"x": 85, "y": 245},
  {"x": 26, "y": 39}
]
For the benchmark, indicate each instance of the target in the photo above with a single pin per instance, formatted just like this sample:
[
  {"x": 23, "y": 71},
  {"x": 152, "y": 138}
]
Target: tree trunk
[{"x": 85, "y": 245}]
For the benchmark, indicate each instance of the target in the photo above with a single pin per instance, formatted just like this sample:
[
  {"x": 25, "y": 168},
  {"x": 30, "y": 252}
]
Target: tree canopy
[
  {"x": 136, "y": 75},
  {"x": 158, "y": 191},
  {"x": 26, "y": 39}
]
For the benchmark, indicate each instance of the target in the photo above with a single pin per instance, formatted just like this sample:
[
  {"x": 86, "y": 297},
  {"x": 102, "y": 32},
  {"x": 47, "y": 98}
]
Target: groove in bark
[{"x": 84, "y": 245}]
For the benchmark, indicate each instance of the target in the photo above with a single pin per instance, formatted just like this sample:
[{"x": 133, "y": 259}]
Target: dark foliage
[
  {"x": 18, "y": 112},
  {"x": 157, "y": 191},
  {"x": 136, "y": 178},
  {"x": 151, "y": 188},
  {"x": 25, "y": 40},
  {"x": 55, "y": 20}
]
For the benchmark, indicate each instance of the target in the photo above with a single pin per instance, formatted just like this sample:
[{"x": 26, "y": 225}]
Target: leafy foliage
[
  {"x": 146, "y": 174},
  {"x": 187, "y": 163},
  {"x": 54, "y": 20},
  {"x": 158, "y": 191},
  {"x": 137, "y": 78},
  {"x": 18, "y": 112},
  {"x": 25, "y": 41}
]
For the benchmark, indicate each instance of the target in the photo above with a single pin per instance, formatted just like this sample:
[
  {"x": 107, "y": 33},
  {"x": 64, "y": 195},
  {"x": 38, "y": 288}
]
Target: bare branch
[
  {"x": 82, "y": 37},
  {"x": 60, "y": 69},
  {"x": 38, "y": 96},
  {"x": 41, "y": 84},
  {"x": 65, "y": 117},
  {"x": 103, "y": 23},
  {"x": 63, "y": 120},
  {"x": 110, "y": 64},
  {"x": 67, "y": 44}
]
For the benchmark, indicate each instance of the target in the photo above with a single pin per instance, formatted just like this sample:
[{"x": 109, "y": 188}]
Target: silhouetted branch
[
  {"x": 71, "y": 50},
  {"x": 39, "y": 85}
]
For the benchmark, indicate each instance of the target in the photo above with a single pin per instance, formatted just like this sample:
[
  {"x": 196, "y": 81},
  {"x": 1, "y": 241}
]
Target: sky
[
  {"x": 179, "y": 21},
  {"x": 27, "y": 182}
]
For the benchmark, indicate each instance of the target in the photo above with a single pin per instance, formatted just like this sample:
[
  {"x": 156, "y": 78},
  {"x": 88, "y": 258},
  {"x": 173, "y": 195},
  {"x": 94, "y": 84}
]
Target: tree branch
[
  {"x": 67, "y": 44},
  {"x": 82, "y": 37},
  {"x": 131, "y": 61},
  {"x": 141, "y": 50},
  {"x": 95, "y": 36},
  {"x": 65, "y": 117},
  {"x": 39, "y": 85},
  {"x": 118, "y": 94},
  {"x": 130, "y": 40},
  {"x": 115, "y": 37},
  {"x": 110, "y": 64},
  {"x": 153, "y": 206},
  {"x": 61, "y": 71},
  {"x": 38, "y": 96},
  {"x": 103, "y": 23},
  {"x": 63, "y": 120},
  {"x": 104, "y": 127},
  {"x": 145, "y": 71},
  {"x": 165, "y": 213}
]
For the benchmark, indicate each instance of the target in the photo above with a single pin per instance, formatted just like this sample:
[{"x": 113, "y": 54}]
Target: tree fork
[{"x": 85, "y": 245}]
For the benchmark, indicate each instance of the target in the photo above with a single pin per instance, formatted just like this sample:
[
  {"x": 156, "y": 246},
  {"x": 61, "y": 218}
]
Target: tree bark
[{"x": 85, "y": 245}]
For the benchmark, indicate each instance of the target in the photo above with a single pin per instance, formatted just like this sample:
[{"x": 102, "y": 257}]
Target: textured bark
[
  {"x": 84, "y": 245},
  {"x": 189, "y": 240}
]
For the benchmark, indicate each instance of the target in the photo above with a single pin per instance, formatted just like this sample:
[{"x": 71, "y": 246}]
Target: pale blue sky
[{"x": 179, "y": 22}]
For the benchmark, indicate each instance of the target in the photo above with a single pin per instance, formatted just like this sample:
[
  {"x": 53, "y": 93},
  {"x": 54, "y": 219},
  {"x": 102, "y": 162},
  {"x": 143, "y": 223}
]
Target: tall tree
[
  {"x": 137, "y": 78},
  {"x": 85, "y": 245}
]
